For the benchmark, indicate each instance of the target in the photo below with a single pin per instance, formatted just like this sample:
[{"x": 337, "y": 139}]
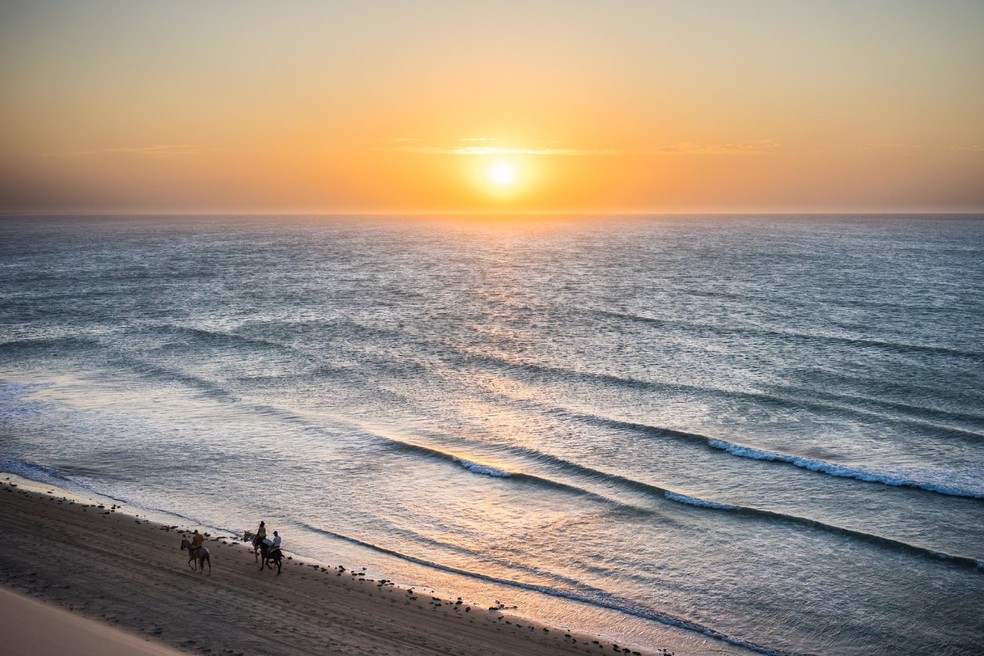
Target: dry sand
[
  {"x": 32, "y": 628},
  {"x": 128, "y": 573}
]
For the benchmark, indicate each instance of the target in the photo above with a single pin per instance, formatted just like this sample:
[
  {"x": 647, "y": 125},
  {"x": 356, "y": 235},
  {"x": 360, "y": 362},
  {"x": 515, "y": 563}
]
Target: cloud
[
  {"x": 897, "y": 147},
  {"x": 168, "y": 150},
  {"x": 754, "y": 147},
  {"x": 969, "y": 148},
  {"x": 479, "y": 150},
  {"x": 498, "y": 150}
]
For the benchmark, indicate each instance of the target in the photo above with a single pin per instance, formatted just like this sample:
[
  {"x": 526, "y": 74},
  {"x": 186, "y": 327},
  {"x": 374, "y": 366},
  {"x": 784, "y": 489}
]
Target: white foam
[
  {"x": 694, "y": 501},
  {"x": 484, "y": 470},
  {"x": 886, "y": 477}
]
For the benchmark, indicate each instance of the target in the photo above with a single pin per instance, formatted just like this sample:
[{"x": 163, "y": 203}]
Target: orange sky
[{"x": 640, "y": 106}]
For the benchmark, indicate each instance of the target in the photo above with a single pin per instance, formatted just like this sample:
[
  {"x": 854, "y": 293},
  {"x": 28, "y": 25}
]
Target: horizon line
[{"x": 420, "y": 213}]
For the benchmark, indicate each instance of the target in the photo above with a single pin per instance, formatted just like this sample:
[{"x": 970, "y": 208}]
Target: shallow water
[{"x": 766, "y": 432}]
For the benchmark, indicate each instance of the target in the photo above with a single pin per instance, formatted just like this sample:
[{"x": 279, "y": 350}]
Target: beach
[{"x": 128, "y": 575}]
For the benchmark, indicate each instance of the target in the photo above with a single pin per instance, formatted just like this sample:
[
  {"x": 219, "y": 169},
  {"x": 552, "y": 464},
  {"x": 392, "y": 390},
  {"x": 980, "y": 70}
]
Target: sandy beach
[{"x": 128, "y": 587}]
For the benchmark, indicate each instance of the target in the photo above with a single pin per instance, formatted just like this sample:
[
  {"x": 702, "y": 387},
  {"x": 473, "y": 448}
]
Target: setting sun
[{"x": 503, "y": 174}]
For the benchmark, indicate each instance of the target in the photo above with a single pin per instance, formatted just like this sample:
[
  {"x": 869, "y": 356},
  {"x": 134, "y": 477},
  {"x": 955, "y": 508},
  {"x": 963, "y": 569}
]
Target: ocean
[{"x": 716, "y": 435}]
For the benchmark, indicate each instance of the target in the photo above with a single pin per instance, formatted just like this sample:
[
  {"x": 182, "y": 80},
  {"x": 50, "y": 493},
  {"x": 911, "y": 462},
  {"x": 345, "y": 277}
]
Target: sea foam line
[
  {"x": 818, "y": 466},
  {"x": 841, "y": 471},
  {"x": 484, "y": 469}
]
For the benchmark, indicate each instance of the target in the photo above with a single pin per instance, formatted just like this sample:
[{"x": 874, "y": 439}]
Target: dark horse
[
  {"x": 200, "y": 555},
  {"x": 261, "y": 552},
  {"x": 255, "y": 540},
  {"x": 268, "y": 556}
]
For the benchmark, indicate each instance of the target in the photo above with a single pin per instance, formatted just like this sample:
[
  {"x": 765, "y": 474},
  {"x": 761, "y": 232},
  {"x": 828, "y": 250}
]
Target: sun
[
  {"x": 503, "y": 174},
  {"x": 503, "y": 177}
]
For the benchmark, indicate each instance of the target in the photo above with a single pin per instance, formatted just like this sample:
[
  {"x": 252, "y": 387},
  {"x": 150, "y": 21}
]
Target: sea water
[{"x": 712, "y": 434}]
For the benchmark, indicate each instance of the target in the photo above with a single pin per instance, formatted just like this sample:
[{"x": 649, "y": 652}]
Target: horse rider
[
  {"x": 260, "y": 535},
  {"x": 270, "y": 544},
  {"x": 196, "y": 542}
]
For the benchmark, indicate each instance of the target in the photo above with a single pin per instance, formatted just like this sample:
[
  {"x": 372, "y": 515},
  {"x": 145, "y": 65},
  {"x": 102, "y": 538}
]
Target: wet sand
[{"x": 129, "y": 576}]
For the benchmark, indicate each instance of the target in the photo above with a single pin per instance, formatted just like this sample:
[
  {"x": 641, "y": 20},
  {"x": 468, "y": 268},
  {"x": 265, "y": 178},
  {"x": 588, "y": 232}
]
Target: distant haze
[{"x": 375, "y": 106}]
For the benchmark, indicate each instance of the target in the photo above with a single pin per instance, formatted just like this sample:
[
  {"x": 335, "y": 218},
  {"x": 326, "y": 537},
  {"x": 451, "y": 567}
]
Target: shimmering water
[{"x": 764, "y": 432}]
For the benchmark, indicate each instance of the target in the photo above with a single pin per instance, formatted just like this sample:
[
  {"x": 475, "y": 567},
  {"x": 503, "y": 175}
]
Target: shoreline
[{"x": 108, "y": 565}]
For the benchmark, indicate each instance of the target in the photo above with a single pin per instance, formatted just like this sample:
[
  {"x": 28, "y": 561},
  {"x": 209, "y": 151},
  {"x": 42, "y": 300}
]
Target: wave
[
  {"x": 964, "y": 561},
  {"x": 496, "y": 472},
  {"x": 484, "y": 469},
  {"x": 819, "y": 466},
  {"x": 470, "y": 465},
  {"x": 677, "y": 497},
  {"x": 157, "y": 372},
  {"x": 758, "y": 398},
  {"x": 842, "y": 471},
  {"x": 16, "y": 403},
  {"x": 61, "y": 342},
  {"x": 700, "y": 503},
  {"x": 303, "y": 361},
  {"x": 81, "y": 486},
  {"x": 795, "y": 336},
  {"x": 475, "y": 467},
  {"x": 33, "y": 472},
  {"x": 928, "y": 415},
  {"x": 585, "y": 594},
  {"x": 218, "y": 337}
]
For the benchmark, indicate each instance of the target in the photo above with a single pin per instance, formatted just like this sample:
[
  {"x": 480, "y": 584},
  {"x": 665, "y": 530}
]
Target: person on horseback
[
  {"x": 196, "y": 542},
  {"x": 197, "y": 552},
  {"x": 260, "y": 536},
  {"x": 270, "y": 552},
  {"x": 268, "y": 546}
]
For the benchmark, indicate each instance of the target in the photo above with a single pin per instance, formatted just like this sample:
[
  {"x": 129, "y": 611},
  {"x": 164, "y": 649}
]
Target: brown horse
[{"x": 200, "y": 555}]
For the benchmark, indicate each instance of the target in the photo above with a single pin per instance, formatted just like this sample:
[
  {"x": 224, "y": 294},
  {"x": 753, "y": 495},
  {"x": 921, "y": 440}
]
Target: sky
[{"x": 533, "y": 106}]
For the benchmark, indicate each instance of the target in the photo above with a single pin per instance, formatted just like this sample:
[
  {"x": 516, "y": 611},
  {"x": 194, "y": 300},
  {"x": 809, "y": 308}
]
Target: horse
[
  {"x": 254, "y": 539},
  {"x": 270, "y": 555},
  {"x": 200, "y": 555}
]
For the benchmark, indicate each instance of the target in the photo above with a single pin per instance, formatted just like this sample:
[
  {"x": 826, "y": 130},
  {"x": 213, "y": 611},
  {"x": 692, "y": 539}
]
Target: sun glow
[
  {"x": 503, "y": 174},
  {"x": 505, "y": 179}
]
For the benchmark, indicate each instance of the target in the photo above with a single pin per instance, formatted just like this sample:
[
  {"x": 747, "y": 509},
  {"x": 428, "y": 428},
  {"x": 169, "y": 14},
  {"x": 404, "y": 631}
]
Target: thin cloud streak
[
  {"x": 499, "y": 150},
  {"x": 897, "y": 147},
  {"x": 756, "y": 147},
  {"x": 168, "y": 150}
]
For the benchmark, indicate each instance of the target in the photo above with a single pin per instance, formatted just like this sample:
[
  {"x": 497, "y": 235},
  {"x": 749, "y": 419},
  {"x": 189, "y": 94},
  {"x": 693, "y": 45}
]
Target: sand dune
[{"x": 31, "y": 628}]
